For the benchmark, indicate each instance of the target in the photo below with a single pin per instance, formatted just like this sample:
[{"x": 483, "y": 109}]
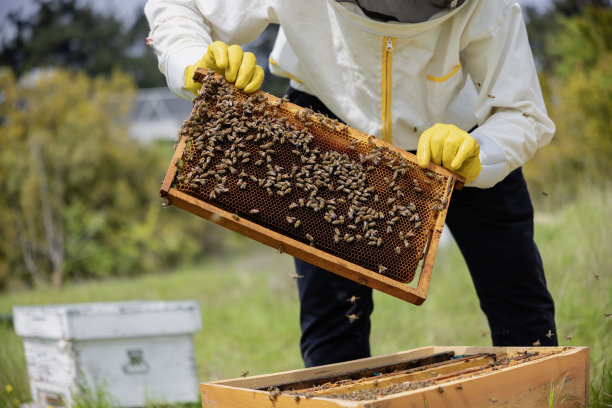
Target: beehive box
[
  {"x": 311, "y": 187},
  {"x": 427, "y": 377},
  {"x": 137, "y": 351}
]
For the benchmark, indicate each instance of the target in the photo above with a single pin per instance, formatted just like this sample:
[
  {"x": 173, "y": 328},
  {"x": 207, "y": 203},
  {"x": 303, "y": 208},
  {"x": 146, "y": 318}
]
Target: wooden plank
[
  {"x": 400, "y": 366},
  {"x": 172, "y": 169},
  {"x": 221, "y": 396},
  {"x": 430, "y": 372},
  {"x": 325, "y": 371},
  {"x": 521, "y": 385},
  {"x": 525, "y": 385},
  {"x": 432, "y": 245}
]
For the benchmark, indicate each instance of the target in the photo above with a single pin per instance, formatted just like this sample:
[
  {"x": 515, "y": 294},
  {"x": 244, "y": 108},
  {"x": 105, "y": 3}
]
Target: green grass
[{"x": 250, "y": 308}]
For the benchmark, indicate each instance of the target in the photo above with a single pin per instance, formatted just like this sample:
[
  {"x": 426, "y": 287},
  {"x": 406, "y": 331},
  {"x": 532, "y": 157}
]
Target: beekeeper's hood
[{"x": 404, "y": 11}]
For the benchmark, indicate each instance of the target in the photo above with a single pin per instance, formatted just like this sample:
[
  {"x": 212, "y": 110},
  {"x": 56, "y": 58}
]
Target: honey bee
[
  {"x": 607, "y": 314},
  {"x": 568, "y": 338},
  {"x": 281, "y": 249},
  {"x": 536, "y": 343},
  {"x": 491, "y": 96},
  {"x": 352, "y": 317},
  {"x": 254, "y": 211},
  {"x": 549, "y": 334},
  {"x": 244, "y": 373},
  {"x": 382, "y": 269},
  {"x": 274, "y": 393},
  {"x": 295, "y": 275},
  {"x": 596, "y": 276},
  {"x": 235, "y": 217},
  {"x": 353, "y": 299},
  {"x": 309, "y": 238}
]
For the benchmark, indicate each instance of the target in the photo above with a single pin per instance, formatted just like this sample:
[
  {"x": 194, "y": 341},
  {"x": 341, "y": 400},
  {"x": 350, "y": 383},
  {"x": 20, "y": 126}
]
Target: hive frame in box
[
  {"x": 526, "y": 384},
  {"x": 308, "y": 253}
]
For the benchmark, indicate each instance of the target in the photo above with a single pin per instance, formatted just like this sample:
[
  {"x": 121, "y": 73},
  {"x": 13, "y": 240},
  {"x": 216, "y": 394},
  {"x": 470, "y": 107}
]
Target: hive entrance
[{"x": 309, "y": 178}]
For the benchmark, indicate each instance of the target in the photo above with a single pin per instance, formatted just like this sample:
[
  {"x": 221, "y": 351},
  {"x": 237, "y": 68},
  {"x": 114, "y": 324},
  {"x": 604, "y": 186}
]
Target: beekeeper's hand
[
  {"x": 237, "y": 66},
  {"x": 451, "y": 147}
]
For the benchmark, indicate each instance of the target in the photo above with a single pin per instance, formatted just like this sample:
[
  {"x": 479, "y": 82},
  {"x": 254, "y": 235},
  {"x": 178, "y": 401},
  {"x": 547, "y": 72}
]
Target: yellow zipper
[{"x": 387, "y": 49}]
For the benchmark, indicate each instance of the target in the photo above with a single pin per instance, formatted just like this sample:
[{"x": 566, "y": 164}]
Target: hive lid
[{"x": 89, "y": 321}]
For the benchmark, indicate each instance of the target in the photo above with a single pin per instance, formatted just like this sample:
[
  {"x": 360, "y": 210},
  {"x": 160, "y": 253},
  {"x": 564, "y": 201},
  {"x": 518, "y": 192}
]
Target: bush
[{"x": 82, "y": 197}]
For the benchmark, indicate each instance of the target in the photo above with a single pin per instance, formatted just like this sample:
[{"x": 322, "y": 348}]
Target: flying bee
[
  {"x": 549, "y": 334},
  {"x": 568, "y": 338},
  {"x": 596, "y": 276},
  {"x": 352, "y": 317},
  {"x": 536, "y": 343},
  {"x": 244, "y": 373},
  {"x": 491, "y": 96},
  {"x": 607, "y": 314},
  {"x": 295, "y": 275},
  {"x": 353, "y": 299}
]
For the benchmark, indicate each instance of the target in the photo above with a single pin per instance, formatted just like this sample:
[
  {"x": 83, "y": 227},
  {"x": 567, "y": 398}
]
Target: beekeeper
[{"x": 453, "y": 80}]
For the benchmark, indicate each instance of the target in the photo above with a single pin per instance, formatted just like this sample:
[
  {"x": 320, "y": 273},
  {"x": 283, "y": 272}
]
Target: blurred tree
[
  {"x": 579, "y": 88},
  {"x": 69, "y": 34},
  {"x": 543, "y": 24},
  {"x": 79, "y": 198}
]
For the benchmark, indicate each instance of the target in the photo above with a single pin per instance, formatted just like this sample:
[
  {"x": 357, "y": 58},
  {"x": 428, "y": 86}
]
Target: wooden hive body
[
  {"x": 450, "y": 376},
  {"x": 311, "y": 187}
]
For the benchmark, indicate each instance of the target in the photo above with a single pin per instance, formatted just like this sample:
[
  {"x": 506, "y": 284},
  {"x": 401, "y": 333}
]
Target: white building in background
[{"x": 157, "y": 114}]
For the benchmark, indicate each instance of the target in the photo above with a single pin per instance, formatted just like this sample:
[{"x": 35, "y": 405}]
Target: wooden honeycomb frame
[{"x": 351, "y": 143}]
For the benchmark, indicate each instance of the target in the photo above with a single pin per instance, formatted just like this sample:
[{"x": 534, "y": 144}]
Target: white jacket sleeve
[
  {"x": 181, "y": 31},
  {"x": 510, "y": 112}
]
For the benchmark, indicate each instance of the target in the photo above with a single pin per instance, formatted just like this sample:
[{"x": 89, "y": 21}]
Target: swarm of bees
[{"x": 304, "y": 175}]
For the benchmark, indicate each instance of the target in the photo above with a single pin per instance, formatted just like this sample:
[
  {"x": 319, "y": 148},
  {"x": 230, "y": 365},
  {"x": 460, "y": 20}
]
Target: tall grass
[
  {"x": 14, "y": 385},
  {"x": 250, "y": 308}
]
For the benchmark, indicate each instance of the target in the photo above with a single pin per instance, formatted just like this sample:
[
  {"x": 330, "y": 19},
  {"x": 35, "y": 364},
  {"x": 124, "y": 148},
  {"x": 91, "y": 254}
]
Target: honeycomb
[{"x": 309, "y": 178}]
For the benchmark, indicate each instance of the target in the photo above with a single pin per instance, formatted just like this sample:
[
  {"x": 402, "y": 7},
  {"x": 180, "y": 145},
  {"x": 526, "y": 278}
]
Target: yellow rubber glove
[
  {"x": 237, "y": 66},
  {"x": 452, "y": 148}
]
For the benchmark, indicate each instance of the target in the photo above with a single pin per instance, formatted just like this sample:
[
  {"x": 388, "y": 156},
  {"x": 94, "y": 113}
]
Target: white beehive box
[{"x": 138, "y": 351}]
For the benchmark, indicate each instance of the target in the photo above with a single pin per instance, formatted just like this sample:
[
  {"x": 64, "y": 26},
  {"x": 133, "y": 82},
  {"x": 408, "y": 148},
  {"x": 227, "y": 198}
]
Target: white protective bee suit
[{"x": 470, "y": 65}]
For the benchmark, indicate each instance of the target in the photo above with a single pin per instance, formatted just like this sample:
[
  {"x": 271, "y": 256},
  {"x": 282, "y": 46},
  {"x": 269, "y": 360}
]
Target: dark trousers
[{"x": 493, "y": 228}]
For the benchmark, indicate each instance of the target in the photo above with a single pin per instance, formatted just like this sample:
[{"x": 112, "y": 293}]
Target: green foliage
[
  {"x": 578, "y": 88},
  {"x": 14, "y": 385},
  {"x": 92, "y": 396},
  {"x": 580, "y": 41},
  {"x": 80, "y": 196},
  {"x": 71, "y": 35}
]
